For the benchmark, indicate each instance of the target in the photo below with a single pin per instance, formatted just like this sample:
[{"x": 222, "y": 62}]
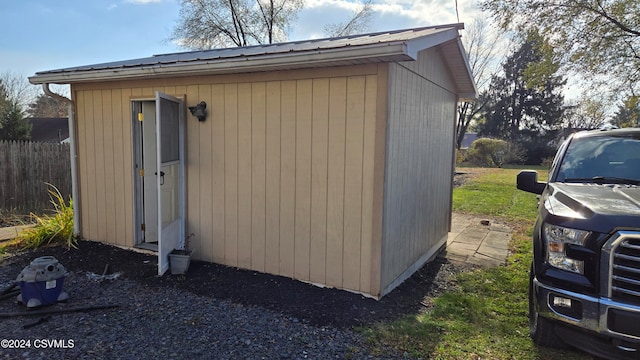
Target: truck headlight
[{"x": 557, "y": 238}]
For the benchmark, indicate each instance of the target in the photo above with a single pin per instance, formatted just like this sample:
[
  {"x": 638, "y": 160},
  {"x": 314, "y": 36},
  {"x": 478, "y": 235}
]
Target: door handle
[{"x": 161, "y": 177}]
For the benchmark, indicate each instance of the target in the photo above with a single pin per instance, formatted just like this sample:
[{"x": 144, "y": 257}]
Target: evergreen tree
[
  {"x": 599, "y": 38},
  {"x": 628, "y": 114},
  {"x": 4, "y": 96},
  {"x": 13, "y": 125},
  {"x": 525, "y": 103}
]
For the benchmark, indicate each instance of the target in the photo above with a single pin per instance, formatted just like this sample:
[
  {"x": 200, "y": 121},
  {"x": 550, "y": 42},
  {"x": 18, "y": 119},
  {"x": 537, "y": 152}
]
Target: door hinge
[
  {"x": 141, "y": 172},
  {"x": 143, "y": 227},
  {"x": 140, "y": 117}
]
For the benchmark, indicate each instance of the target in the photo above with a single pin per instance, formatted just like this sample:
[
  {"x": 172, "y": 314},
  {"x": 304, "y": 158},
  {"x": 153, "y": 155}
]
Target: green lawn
[
  {"x": 486, "y": 318},
  {"x": 494, "y": 193}
]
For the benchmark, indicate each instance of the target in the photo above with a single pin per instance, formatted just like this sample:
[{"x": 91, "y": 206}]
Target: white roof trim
[
  {"x": 416, "y": 45},
  {"x": 472, "y": 96}
]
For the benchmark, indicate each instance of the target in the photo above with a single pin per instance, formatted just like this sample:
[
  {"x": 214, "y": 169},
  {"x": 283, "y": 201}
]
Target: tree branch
[{"x": 602, "y": 12}]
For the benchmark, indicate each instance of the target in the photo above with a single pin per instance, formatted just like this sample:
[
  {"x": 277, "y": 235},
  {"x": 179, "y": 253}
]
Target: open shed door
[{"x": 170, "y": 177}]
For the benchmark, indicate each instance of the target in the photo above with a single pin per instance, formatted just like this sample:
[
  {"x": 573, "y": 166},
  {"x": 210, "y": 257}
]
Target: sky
[{"x": 42, "y": 35}]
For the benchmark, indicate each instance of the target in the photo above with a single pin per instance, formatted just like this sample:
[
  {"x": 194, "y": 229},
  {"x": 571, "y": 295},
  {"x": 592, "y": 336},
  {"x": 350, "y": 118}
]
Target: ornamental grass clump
[{"x": 51, "y": 229}]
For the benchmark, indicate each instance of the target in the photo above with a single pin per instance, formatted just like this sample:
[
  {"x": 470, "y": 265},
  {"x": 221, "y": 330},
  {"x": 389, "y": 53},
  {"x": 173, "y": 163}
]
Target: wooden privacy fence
[{"x": 25, "y": 168}]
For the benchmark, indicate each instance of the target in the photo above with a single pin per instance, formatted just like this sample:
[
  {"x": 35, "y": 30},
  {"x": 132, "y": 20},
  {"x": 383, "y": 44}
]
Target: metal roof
[{"x": 388, "y": 46}]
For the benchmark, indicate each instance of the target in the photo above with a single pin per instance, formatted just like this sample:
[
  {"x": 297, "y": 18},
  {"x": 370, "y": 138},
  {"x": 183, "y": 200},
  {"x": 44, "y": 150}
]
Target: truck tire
[{"x": 541, "y": 329}]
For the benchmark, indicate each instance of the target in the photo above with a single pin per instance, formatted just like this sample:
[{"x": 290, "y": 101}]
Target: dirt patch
[
  {"x": 461, "y": 177},
  {"x": 319, "y": 306}
]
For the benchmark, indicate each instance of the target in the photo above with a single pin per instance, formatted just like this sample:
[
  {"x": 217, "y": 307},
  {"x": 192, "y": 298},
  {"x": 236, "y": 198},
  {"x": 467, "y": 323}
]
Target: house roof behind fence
[{"x": 49, "y": 129}]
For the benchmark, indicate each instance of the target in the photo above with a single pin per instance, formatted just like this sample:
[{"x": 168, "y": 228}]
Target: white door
[{"x": 170, "y": 177}]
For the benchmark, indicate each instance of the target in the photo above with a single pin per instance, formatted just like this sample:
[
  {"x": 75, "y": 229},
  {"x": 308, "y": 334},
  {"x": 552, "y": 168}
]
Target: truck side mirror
[{"x": 527, "y": 180}]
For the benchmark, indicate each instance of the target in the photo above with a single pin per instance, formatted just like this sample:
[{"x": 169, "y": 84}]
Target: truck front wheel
[{"x": 541, "y": 330}]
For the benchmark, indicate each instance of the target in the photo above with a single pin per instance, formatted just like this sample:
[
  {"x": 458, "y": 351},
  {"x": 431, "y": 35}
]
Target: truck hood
[{"x": 586, "y": 200}]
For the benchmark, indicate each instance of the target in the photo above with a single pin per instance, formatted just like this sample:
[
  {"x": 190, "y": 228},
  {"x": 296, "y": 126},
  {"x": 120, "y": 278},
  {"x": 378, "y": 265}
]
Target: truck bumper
[{"x": 596, "y": 325}]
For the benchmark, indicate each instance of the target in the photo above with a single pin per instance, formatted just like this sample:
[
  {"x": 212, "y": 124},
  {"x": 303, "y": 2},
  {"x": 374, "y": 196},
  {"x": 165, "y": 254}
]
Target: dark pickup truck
[{"x": 585, "y": 277}]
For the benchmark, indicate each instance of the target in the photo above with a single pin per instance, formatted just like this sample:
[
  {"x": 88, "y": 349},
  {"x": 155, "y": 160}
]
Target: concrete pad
[
  {"x": 471, "y": 236},
  {"x": 497, "y": 239},
  {"x": 454, "y": 257},
  {"x": 492, "y": 252},
  {"x": 501, "y": 228},
  {"x": 485, "y": 261},
  {"x": 10, "y": 233},
  {"x": 452, "y": 236},
  {"x": 477, "y": 244},
  {"x": 462, "y": 248}
]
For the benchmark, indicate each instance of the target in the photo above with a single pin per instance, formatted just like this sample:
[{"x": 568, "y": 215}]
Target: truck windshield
[{"x": 606, "y": 159}]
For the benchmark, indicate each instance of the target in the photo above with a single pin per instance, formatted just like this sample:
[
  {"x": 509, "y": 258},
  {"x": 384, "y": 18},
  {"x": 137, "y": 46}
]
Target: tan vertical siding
[
  {"x": 216, "y": 117},
  {"x": 335, "y": 179},
  {"x": 244, "y": 175},
  {"x": 109, "y": 169},
  {"x": 287, "y": 177},
  {"x": 104, "y": 165},
  {"x": 354, "y": 133},
  {"x": 90, "y": 201},
  {"x": 192, "y": 201},
  {"x": 258, "y": 175},
  {"x": 99, "y": 183},
  {"x": 119, "y": 172},
  {"x": 304, "y": 114},
  {"x": 379, "y": 146},
  {"x": 369, "y": 273},
  {"x": 205, "y": 167},
  {"x": 83, "y": 154},
  {"x": 280, "y": 176},
  {"x": 319, "y": 164},
  {"x": 127, "y": 166},
  {"x": 231, "y": 174},
  {"x": 272, "y": 232},
  {"x": 418, "y": 165}
]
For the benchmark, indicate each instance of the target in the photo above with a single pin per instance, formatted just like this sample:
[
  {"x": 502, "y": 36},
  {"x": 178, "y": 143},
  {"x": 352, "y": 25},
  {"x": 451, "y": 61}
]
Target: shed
[{"x": 329, "y": 161}]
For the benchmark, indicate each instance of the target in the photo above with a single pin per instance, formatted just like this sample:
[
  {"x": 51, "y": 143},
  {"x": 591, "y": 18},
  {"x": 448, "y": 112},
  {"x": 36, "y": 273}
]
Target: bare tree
[
  {"x": 599, "y": 39},
  {"x": 359, "y": 23},
  {"x": 586, "y": 113},
  {"x": 15, "y": 91},
  {"x": 481, "y": 45},
  {"x": 47, "y": 107},
  {"x": 16, "y": 88},
  {"x": 205, "y": 24}
]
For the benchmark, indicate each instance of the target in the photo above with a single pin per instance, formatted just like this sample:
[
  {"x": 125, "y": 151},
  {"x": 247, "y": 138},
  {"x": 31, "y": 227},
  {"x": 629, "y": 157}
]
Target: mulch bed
[{"x": 319, "y": 306}]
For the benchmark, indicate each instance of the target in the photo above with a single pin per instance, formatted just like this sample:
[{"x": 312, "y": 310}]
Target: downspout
[{"x": 73, "y": 155}]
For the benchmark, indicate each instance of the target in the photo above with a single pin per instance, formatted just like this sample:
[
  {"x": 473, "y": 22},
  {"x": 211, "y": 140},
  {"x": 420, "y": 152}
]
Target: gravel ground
[
  {"x": 212, "y": 312},
  {"x": 164, "y": 322}
]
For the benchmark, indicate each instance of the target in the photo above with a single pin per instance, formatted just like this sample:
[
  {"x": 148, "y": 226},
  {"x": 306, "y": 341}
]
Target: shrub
[
  {"x": 546, "y": 162},
  {"x": 495, "y": 153},
  {"x": 49, "y": 229},
  {"x": 461, "y": 156}
]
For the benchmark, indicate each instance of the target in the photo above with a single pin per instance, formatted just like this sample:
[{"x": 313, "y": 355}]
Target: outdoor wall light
[{"x": 199, "y": 111}]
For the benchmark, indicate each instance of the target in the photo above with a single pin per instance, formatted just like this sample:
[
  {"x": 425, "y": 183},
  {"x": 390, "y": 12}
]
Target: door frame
[
  {"x": 139, "y": 211},
  {"x": 138, "y": 194}
]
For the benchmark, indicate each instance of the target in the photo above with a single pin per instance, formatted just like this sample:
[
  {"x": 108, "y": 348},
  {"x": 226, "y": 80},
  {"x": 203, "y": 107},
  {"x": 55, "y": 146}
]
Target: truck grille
[{"x": 625, "y": 271}]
